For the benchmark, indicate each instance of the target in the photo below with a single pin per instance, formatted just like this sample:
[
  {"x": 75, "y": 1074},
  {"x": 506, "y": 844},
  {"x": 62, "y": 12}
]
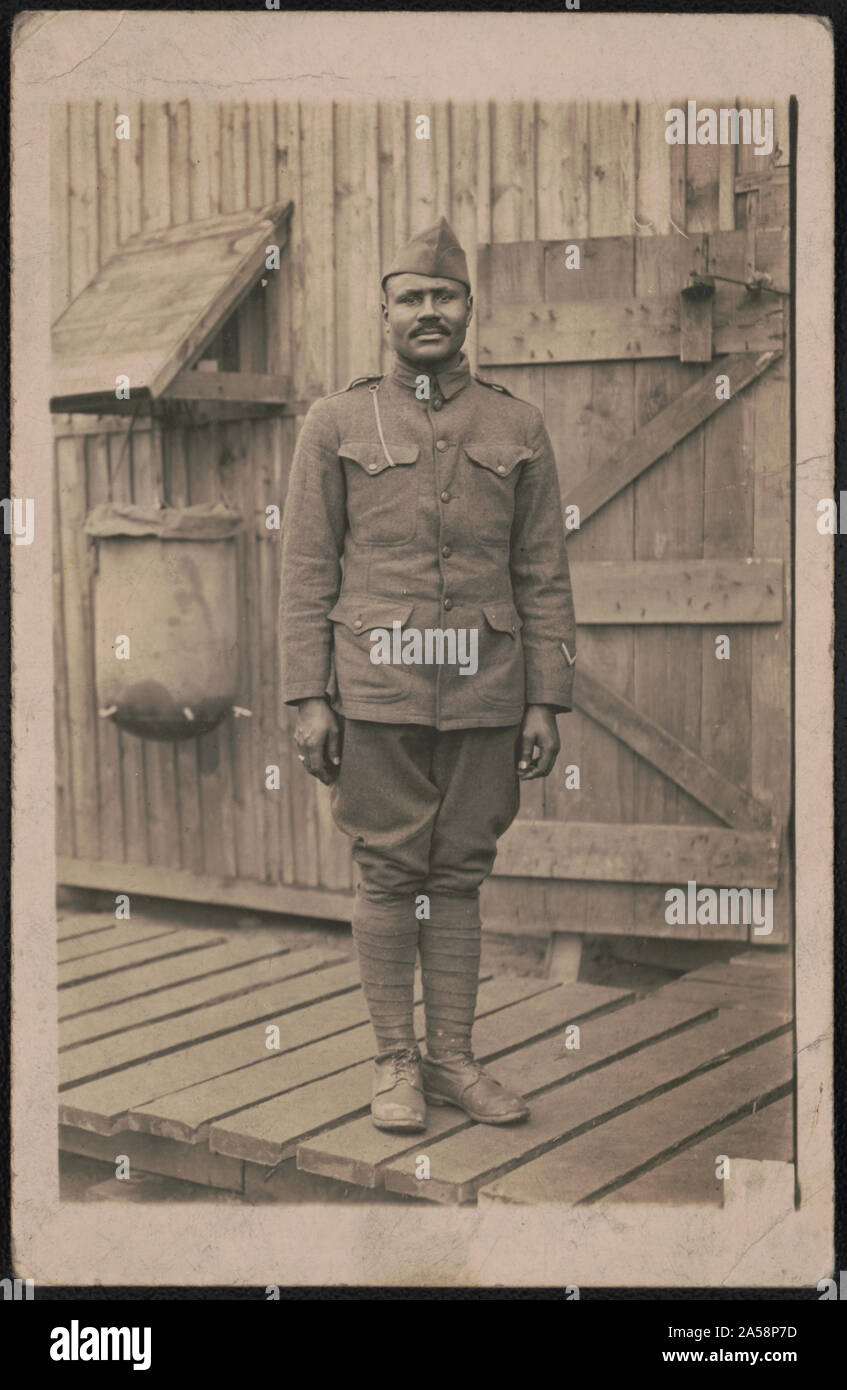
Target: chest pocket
[
  {"x": 382, "y": 497},
  {"x": 493, "y": 470}
]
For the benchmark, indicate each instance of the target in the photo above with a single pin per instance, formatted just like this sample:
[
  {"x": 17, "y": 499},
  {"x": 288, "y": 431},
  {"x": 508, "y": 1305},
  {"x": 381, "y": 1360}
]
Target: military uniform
[{"x": 425, "y": 500}]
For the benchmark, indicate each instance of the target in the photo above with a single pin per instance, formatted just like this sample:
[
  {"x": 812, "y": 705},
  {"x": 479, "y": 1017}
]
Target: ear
[{"x": 470, "y": 308}]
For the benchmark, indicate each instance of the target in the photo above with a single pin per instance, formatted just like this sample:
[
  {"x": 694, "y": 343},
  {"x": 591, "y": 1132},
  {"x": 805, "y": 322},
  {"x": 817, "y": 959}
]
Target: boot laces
[{"x": 404, "y": 1064}]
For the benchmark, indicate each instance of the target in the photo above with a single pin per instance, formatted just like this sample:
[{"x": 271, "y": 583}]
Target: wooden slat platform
[{"x": 164, "y": 1057}]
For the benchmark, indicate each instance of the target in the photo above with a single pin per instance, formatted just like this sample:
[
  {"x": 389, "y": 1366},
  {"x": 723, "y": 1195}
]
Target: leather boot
[
  {"x": 398, "y": 1093},
  {"x": 458, "y": 1079}
]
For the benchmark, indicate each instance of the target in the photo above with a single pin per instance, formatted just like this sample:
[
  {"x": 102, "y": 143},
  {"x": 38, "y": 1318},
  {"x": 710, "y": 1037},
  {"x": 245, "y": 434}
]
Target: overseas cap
[{"x": 435, "y": 252}]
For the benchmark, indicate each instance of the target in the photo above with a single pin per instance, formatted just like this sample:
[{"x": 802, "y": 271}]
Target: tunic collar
[{"x": 446, "y": 384}]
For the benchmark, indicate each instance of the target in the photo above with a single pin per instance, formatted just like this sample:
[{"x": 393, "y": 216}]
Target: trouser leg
[
  {"x": 474, "y": 771},
  {"x": 384, "y": 800}
]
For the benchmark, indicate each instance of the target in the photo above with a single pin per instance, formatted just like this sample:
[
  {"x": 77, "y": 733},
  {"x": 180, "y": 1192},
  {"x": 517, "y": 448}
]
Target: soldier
[{"x": 426, "y": 502}]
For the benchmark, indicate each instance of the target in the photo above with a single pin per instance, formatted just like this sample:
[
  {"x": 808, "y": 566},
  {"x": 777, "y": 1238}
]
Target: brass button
[
  {"x": 437, "y": 403},
  {"x": 445, "y": 551},
  {"x": 448, "y": 603},
  {"x": 358, "y": 622},
  {"x": 372, "y": 467},
  {"x": 501, "y": 468},
  {"x": 441, "y": 445},
  {"x": 445, "y": 497}
]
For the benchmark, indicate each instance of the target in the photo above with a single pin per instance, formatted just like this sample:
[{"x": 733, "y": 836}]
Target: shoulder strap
[
  {"x": 494, "y": 386},
  {"x": 357, "y": 381}
]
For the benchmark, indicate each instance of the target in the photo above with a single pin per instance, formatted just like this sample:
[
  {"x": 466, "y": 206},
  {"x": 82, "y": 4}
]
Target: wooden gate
[{"x": 682, "y": 741}]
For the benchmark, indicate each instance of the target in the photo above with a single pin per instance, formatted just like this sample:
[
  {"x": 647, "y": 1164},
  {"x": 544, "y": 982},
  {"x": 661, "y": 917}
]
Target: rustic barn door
[{"x": 681, "y": 733}]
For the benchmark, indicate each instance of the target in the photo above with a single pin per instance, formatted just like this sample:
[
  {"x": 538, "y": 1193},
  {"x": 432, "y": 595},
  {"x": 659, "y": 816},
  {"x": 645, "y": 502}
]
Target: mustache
[{"x": 434, "y": 328}]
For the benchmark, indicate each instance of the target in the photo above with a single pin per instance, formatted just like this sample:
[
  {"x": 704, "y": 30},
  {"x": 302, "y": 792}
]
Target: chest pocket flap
[
  {"x": 363, "y": 614},
  {"x": 500, "y": 459},
  {"x": 370, "y": 455},
  {"x": 503, "y": 617}
]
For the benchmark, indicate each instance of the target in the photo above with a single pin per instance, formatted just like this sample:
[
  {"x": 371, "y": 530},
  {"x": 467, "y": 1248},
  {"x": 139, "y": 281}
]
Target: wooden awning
[{"x": 151, "y": 310}]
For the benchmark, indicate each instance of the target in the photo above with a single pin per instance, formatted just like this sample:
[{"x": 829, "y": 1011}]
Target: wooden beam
[
  {"x": 665, "y": 431},
  {"x": 656, "y": 745},
  {"x": 603, "y": 330},
  {"x": 190, "y": 385},
  {"x": 611, "y": 852},
  {"x": 156, "y": 882},
  {"x": 757, "y": 178},
  {"x": 747, "y": 590}
]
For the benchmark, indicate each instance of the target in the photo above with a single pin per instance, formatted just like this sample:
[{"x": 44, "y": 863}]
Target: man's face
[{"x": 426, "y": 318}]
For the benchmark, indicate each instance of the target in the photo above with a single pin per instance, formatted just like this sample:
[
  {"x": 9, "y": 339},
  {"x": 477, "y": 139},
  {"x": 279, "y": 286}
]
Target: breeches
[{"x": 424, "y": 807}]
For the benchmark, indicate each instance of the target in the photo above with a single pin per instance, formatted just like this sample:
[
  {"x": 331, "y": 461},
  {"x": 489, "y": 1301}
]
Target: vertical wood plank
[
  {"x": 562, "y": 169},
  {"x": 653, "y": 190},
  {"x": 771, "y": 752},
  {"x": 79, "y": 650},
  {"x": 422, "y": 168},
  {"x": 281, "y": 749},
  {"x": 185, "y": 751},
  {"x": 199, "y": 194},
  {"x": 60, "y": 265},
  {"x": 158, "y": 757},
  {"x": 728, "y": 530},
  {"x": 243, "y": 733},
  {"x": 513, "y": 191},
  {"x": 702, "y": 184},
  {"x": 84, "y": 210},
  {"x": 107, "y": 179},
  {"x": 110, "y": 797},
  {"x": 357, "y": 290},
  {"x": 65, "y": 841},
  {"x": 179, "y": 118},
  {"x": 128, "y": 156},
  {"x": 133, "y": 783},
  {"x": 317, "y": 248},
  {"x": 207, "y": 451},
  {"x": 156, "y": 174},
  {"x": 261, "y": 491}
]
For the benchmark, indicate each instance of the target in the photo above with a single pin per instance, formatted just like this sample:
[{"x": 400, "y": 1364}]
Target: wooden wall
[{"x": 360, "y": 182}]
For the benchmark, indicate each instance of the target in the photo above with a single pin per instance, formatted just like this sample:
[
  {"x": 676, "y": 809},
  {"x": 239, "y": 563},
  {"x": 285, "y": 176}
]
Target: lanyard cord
[{"x": 373, "y": 390}]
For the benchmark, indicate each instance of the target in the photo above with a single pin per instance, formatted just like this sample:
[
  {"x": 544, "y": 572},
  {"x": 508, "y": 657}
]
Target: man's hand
[
  {"x": 539, "y": 744},
  {"x": 318, "y": 739}
]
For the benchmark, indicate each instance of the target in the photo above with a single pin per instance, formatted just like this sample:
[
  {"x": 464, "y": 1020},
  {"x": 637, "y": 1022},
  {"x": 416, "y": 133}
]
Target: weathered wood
[
  {"x": 734, "y": 806},
  {"x": 613, "y": 329},
  {"x": 130, "y": 319},
  {"x": 165, "y": 974},
  {"x": 187, "y": 1112},
  {"x": 639, "y": 853},
  {"x": 357, "y": 1152},
  {"x": 742, "y": 590},
  {"x": 119, "y": 958},
  {"x": 657, "y": 438},
  {"x": 102, "y": 1105},
  {"x": 191, "y": 385},
  {"x": 77, "y": 625},
  {"x": 247, "y": 1012},
  {"x": 690, "y": 1177},
  {"x": 204, "y": 888},
  {"x": 83, "y": 924},
  {"x": 695, "y": 328},
  {"x": 195, "y": 994},
  {"x": 119, "y": 934},
  {"x": 588, "y": 1166},
  {"x": 668, "y": 501},
  {"x": 776, "y": 1001},
  {"x": 150, "y": 1155},
  {"x": 276, "y": 1128}
]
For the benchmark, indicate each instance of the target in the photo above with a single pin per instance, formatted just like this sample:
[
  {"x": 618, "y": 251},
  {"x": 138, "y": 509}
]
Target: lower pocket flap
[
  {"x": 498, "y": 458},
  {"x": 364, "y": 614},
  {"x": 503, "y": 617},
  {"x": 371, "y": 456}
]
